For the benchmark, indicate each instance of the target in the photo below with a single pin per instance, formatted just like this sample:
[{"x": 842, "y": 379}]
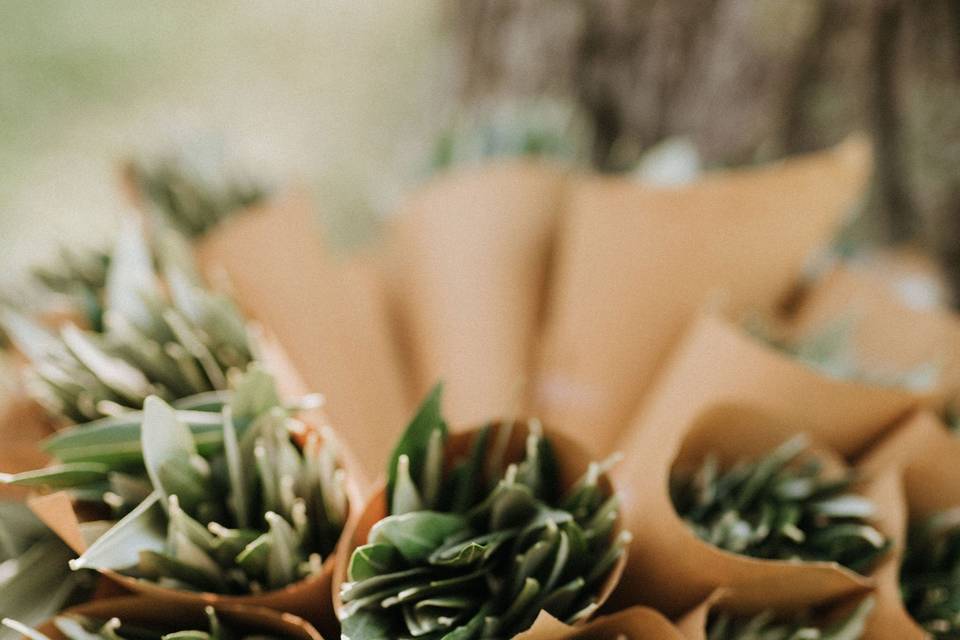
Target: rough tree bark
[{"x": 746, "y": 81}]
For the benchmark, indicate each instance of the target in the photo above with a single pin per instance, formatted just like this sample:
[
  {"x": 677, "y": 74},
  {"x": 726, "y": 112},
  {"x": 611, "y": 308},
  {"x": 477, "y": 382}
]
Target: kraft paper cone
[
  {"x": 330, "y": 319},
  {"x": 889, "y": 334},
  {"x": 467, "y": 273},
  {"x": 635, "y": 263},
  {"x": 717, "y": 361},
  {"x": 635, "y": 623},
  {"x": 924, "y": 455},
  {"x": 310, "y": 598},
  {"x": 572, "y": 463},
  {"x": 23, "y": 425},
  {"x": 160, "y": 613},
  {"x": 669, "y": 567}
]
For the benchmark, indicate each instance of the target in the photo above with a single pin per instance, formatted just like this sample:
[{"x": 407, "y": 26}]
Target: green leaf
[
  {"x": 364, "y": 625},
  {"x": 168, "y": 451},
  {"x": 59, "y": 476},
  {"x": 416, "y": 535},
  {"x": 406, "y": 497},
  {"x": 256, "y": 393},
  {"x": 119, "y": 376},
  {"x": 415, "y": 441},
  {"x": 15, "y": 629},
  {"x": 116, "y": 441},
  {"x": 144, "y": 528},
  {"x": 130, "y": 279},
  {"x": 370, "y": 560}
]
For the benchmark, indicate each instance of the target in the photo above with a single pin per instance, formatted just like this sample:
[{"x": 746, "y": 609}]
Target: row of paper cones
[
  {"x": 581, "y": 299},
  {"x": 913, "y": 473}
]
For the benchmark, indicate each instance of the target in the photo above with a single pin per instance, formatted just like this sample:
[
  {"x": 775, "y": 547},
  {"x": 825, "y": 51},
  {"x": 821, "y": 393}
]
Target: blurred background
[{"x": 358, "y": 101}]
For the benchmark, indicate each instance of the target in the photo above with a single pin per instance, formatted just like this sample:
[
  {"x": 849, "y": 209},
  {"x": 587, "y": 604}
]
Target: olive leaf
[
  {"x": 416, "y": 440},
  {"x": 254, "y": 511},
  {"x": 485, "y": 561},
  {"x": 780, "y": 506}
]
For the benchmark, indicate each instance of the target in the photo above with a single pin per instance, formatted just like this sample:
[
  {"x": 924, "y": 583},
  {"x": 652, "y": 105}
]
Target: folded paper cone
[
  {"x": 572, "y": 462},
  {"x": 170, "y": 614},
  {"x": 924, "y": 456},
  {"x": 467, "y": 275},
  {"x": 718, "y": 361},
  {"x": 310, "y": 598},
  {"x": 635, "y": 263},
  {"x": 889, "y": 333},
  {"x": 635, "y": 623},
  {"x": 23, "y": 425},
  {"x": 330, "y": 319},
  {"x": 672, "y": 569}
]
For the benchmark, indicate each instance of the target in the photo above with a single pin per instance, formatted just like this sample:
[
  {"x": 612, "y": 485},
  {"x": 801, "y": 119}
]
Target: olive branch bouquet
[
  {"x": 247, "y": 499},
  {"x": 780, "y": 506},
  {"x": 475, "y": 546},
  {"x": 163, "y": 333}
]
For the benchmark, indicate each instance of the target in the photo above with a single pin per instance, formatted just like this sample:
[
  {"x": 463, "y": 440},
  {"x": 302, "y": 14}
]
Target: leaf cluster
[
  {"x": 769, "y": 626},
  {"x": 477, "y": 547},
  {"x": 163, "y": 334},
  {"x": 780, "y": 506},
  {"x": 194, "y": 192},
  {"x": 237, "y": 500}
]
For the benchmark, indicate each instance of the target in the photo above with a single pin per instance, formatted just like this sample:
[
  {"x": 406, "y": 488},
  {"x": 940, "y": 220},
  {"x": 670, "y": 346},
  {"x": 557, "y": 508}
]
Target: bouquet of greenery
[
  {"x": 193, "y": 192},
  {"x": 476, "y": 533},
  {"x": 247, "y": 500},
  {"x": 780, "y": 506},
  {"x": 769, "y": 626},
  {"x": 162, "y": 333}
]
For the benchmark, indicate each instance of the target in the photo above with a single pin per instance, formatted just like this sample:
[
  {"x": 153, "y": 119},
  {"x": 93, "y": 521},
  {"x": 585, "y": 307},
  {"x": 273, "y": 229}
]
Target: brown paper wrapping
[
  {"x": 467, "y": 273},
  {"x": 330, "y": 319},
  {"x": 310, "y": 599},
  {"x": 669, "y": 567},
  {"x": 635, "y": 623},
  {"x": 23, "y": 425},
  {"x": 717, "y": 361},
  {"x": 925, "y": 457},
  {"x": 139, "y": 610},
  {"x": 888, "y": 334},
  {"x": 636, "y": 262},
  {"x": 572, "y": 462}
]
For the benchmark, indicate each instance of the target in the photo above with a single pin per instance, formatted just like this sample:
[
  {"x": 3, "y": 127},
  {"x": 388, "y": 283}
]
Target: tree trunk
[{"x": 746, "y": 81}]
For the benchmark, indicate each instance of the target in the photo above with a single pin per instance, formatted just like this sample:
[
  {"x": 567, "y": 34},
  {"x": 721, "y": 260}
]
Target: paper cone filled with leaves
[
  {"x": 478, "y": 532},
  {"x": 740, "y": 499}
]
